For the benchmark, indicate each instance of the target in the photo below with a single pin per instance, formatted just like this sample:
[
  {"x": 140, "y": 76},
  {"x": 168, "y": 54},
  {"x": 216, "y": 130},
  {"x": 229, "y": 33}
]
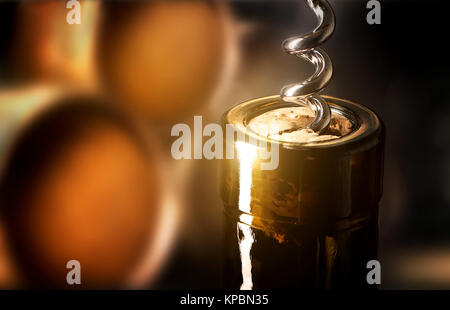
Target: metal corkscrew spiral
[{"x": 305, "y": 46}]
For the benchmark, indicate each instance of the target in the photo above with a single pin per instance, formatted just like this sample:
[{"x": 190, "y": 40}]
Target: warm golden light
[{"x": 247, "y": 155}]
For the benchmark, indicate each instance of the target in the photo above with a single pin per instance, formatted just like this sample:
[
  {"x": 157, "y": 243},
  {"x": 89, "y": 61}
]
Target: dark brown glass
[{"x": 313, "y": 221}]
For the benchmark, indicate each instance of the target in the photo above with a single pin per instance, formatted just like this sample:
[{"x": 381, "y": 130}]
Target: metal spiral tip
[{"x": 305, "y": 47}]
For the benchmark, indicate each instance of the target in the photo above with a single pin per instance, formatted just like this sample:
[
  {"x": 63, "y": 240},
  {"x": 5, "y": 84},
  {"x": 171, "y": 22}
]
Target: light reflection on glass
[{"x": 247, "y": 155}]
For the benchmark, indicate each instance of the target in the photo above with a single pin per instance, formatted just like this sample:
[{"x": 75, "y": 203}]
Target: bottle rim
[{"x": 366, "y": 124}]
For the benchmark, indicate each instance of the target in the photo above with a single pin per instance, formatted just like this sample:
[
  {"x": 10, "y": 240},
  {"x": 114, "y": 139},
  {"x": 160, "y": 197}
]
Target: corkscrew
[{"x": 306, "y": 47}]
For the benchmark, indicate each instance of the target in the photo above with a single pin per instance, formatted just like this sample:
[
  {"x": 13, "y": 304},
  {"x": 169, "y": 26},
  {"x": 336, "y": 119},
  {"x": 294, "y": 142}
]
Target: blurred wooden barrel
[
  {"x": 81, "y": 180},
  {"x": 164, "y": 58}
]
